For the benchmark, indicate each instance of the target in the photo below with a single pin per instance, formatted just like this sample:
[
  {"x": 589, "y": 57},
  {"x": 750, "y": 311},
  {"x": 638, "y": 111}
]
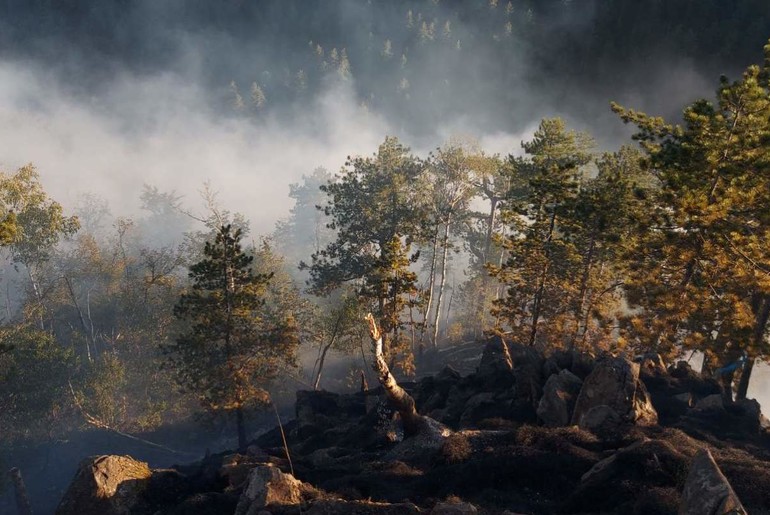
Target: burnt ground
[{"x": 350, "y": 452}]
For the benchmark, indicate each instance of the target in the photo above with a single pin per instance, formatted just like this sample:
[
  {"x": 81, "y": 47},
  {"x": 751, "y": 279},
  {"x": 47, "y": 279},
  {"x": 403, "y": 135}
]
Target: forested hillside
[
  {"x": 599, "y": 229},
  {"x": 417, "y": 62}
]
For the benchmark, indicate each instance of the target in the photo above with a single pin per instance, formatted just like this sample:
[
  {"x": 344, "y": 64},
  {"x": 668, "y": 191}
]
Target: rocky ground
[{"x": 526, "y": 433}]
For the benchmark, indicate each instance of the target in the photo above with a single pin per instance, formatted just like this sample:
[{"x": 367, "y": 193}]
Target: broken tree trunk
[{"x": 399, "y": 399}]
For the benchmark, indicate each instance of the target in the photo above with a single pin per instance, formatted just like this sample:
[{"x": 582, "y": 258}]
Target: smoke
[
  {"x": 160, "y": 130},
  {"x": 104, "y": 97}
]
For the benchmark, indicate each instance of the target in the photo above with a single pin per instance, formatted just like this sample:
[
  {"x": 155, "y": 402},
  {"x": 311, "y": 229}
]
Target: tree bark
[
  {"x": 743, "y": 383},
  {"x": 761, "y": 319},
  {"x": 583, "y": 292},
  {"x": 241, "y": 427},
  {"x": 326, "y": 348},
  {"x": 431, "y": 285},
  {"x": 399, "y": 399},
  {"x": 80, "y": 316},
  {"x": 442, "y": 285},
  {"x": 727, "y": 386},
  {"x": 541, "y": 282},
  {"x": 482, "y": 297},
  {"x": 23, "y": 506},
  {"x": 321, "y": 360}
]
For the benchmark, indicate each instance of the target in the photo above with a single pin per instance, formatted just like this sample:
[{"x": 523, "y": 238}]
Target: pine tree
[
  {"x": 374, "y": 210},
  {"x": 543, "y": 259},
  {"x": 227, "y": 352},
  {"x": 701, "y": 270}
]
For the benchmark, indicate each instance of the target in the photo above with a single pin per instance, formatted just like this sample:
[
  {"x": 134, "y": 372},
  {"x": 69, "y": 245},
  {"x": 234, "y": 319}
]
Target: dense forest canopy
[{"x": 453, "y": 167}]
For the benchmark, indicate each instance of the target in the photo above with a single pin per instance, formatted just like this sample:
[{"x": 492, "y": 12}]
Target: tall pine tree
[
  {"x": 228, "y": 351},
  {"x": 374, "y": 209},
  {"x": 701, "y": 269}
]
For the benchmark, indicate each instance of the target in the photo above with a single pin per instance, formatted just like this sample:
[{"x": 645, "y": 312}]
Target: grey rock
[
  {"x": 106, "y": 485},
  {"x": 559, "y": 396},
  {"x": 614, "y": 382},
  {"x": 685, "y": 398},
  {"x": 495, "y": 359},
  {"x": 707, "y": 491},
  {"x": 476, "y": 406},
  {"x": 421, "y": 446},
  {"x": 710, "y": 403},
  {"x": 268, "y": 485},
  {"x": 528, "y": 371},
  {"x": 601, "y": 420},
  {"x": 643, "y": 412}
]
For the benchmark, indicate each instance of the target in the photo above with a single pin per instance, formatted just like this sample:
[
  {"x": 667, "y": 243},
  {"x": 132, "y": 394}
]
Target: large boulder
[
  {"x": 707, "y": 491},
  {"x": 479, "y": 407},
  {"x": 675, "y": 390},
  {"x": 558, "y": 400},
  {"x": 496, "y": 365},
  {"x": 432, "y": 391},
  {"x": 267, "y": 485},
  {"x": 579, "y": 363},
  {"x": 423, "y": 446},
  {"x": 739, "y": 420},
  {"x": 528, "y": 372},
  {"x": 643, "y": 412},
  {"x": 711, "y": 402},
  {"x": 614, "y": 382},
  {"x": 106, "y": 485},
  {"x": 602, "y": 421}
]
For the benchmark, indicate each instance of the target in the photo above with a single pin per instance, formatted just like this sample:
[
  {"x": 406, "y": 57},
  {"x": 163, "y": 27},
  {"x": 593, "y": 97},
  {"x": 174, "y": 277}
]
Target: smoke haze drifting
[{"x": 106, "y": 96}]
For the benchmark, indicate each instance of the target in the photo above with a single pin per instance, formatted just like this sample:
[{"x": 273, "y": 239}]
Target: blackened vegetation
[{"x": 348, "y": 452}]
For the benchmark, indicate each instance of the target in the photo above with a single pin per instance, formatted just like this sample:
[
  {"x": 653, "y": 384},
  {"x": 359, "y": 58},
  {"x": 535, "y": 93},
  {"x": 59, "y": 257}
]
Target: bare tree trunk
[
  {"x": 431, "y": 285},
  {"x": 412, "y": 331},
  {"x": 583, "y": 292},
  {"x": 321, "y": 360},
  {"x": 449, "y": 307},
  {"x": 727, "y": 384},
  {"x": 91, "y": 323},
  {"x": 442, "y": 284},
  {"x": 743, "y": 383},
  {"x": 317, "y": 360},
  {"x": 80, "y": 315},
  {"x": 482, "y": 297},
  {"x": 23, "y": 506},
  {"x": 326, "y": 348},
  {"x": 537, "y": 305},
  {"x": 541, "y": 283},
  {"x": 364, "y": 382},
  {"x": 241, "y": 427},
  {"x": 38, "y": 296},
  {"x": 397, "y": 396}
]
